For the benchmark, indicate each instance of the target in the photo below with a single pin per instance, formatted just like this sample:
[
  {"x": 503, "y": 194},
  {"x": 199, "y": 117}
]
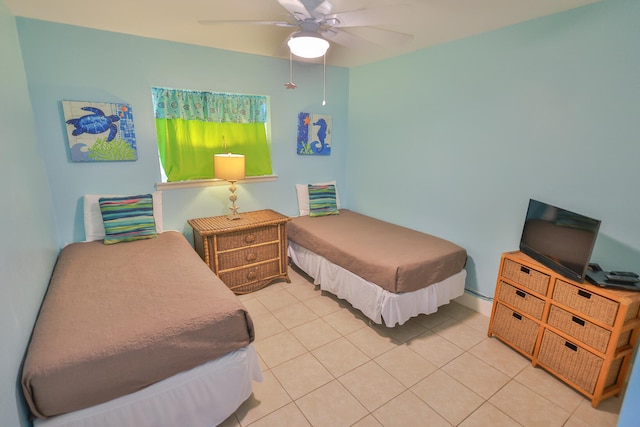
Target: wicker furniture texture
[
  {"x": 247, "y": 253},
  {"x": 583, "y": 334}
]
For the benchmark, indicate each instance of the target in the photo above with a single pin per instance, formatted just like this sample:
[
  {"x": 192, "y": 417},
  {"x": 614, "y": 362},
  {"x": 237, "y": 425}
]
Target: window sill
[{"x": 212, "y": 182}]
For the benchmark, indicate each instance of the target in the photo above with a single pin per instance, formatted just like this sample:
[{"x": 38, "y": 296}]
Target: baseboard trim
[{"x": 474, "y": 303}]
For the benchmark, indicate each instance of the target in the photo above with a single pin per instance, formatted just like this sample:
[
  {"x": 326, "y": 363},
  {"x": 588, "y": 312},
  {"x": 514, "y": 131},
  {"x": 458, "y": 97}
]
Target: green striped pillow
[
  {"x": 127, "y": 218},
  {"x": 322, "y": 200}
]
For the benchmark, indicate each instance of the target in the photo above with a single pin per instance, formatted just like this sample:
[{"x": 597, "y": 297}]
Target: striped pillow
[
  {"x": 127, "y": 218},
  {"x": 322, "y": 200}
]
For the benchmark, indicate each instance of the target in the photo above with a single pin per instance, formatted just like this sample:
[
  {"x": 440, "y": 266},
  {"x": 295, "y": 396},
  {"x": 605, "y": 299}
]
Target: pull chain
[
  {"x": 324, "y": 80},
  {"x": 290, "y": 84}
]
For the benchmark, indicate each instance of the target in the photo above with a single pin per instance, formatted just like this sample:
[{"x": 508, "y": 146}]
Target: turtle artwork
[
  {"x": 95, "y": 123},
  {"x": 100, "y": 131}
]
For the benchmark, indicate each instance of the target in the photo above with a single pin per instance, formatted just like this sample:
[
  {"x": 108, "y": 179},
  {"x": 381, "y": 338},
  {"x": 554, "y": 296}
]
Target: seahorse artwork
[
  {"x": 314, "y": 134},
  {"x": 99, "y": 131}
]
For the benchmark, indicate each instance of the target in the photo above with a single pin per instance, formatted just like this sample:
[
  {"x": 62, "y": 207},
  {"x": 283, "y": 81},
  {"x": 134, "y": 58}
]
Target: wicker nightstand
[{"x": 247, "y": 253}]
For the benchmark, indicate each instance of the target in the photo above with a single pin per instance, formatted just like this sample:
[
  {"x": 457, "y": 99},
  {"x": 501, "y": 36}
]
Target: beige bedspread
[
  {"x": 117, "y": 318},
  {"x": 395, "y": 258}
]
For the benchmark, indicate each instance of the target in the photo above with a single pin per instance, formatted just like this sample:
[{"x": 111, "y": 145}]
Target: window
[{"x": 192, "y": 126}]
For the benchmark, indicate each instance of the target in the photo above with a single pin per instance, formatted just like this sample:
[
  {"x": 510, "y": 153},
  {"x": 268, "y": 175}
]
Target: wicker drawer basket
[
  {"x": 247, "y": 237},
  {"x": 515, "y": 328},
  {"x": 578, "y": 365},
  {"x": 521, "y": 300},
  {"x": 248, "y": 255},
  {"x": 592, "y": 305},
  {"x": 525, "y": 276},
  {"x": 580, "y": 329}
]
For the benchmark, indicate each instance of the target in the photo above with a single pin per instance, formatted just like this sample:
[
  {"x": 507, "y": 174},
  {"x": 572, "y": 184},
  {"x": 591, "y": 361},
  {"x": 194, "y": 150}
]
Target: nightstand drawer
[
  {"x": 586, "y": 302},
  {"x": 249, "y": 274},
  {"x": 521, "y": 300},
  {"x": 516, "y": 329},
  {"x": 525, "y": 276},
  {"x": 243, "y": 238},
  {"x": 250, "y": 255}
]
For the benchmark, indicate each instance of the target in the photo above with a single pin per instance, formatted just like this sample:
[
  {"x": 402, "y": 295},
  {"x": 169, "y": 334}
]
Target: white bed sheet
[
  {"x": 375, "y": 302},
  {"x": 203, "y": 396}
]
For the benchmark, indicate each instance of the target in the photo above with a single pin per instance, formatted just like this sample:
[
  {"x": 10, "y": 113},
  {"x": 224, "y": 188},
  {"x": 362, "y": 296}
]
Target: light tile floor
[{"x": 325, "y": 364}]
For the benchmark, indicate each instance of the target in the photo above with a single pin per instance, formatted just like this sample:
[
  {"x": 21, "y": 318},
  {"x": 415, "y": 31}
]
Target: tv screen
[{"x": 559, "y": 239}]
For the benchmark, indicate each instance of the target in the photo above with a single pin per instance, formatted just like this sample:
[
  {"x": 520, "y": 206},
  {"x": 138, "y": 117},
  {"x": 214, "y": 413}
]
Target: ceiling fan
[{"x": 317, "y": 26}]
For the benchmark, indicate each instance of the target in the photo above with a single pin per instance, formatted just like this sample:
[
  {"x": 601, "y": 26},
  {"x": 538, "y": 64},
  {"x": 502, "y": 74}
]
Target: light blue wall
[
  {"x": 27, "y": 237},
  {"x": 455, "y": 139},
  {"x": 451, "y": 140},
  {"x": 65, "y": 62}
]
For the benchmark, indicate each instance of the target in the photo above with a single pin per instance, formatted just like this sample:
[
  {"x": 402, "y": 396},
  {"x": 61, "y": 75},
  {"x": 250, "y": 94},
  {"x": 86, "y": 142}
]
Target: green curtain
[{"x": 193, "y": 126}]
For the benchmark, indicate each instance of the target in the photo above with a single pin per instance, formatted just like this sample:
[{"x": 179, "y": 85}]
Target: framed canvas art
[
  {"x": 314, "y": 134},
  {"x": 100, "y": 131}
]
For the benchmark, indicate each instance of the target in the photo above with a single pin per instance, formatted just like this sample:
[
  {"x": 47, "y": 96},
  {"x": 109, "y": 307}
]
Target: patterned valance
[{"x": 208, "y": 106}]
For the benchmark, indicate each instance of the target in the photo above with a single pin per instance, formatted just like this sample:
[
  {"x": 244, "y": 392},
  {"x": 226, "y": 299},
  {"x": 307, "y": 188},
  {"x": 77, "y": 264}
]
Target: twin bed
[
  {"x": 143, "y": 333},
  {"x": 138, "y": 333},
  {"x": 390, "y": 273}
]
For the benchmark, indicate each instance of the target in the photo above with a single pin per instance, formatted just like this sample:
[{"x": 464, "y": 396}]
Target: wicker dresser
[
  {"x": 247, "y": 253},
  {"x": 583, "y": 334}
]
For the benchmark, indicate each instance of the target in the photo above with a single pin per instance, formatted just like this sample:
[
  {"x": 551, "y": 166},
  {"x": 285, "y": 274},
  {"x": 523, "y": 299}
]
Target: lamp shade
[
  {"x": 306, "y": 44},
  {"x": 229, "y": 167}
]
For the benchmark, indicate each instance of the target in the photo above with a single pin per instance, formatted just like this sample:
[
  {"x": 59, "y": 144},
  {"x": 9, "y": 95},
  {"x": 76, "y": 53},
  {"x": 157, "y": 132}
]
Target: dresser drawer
[
  {"x": 251, "y": 273},
  {"x": 521, "y": 300},
  {"x": 516, "y": 329},
  {"x": 525, "y": 276},
  {"x": 580, "y": 329},
  {"x": 248, "y": 255},
  {"x": 242, "y": 238},
  {"x": 592, "y": 305},
  {"x": 568, "y": 359}
]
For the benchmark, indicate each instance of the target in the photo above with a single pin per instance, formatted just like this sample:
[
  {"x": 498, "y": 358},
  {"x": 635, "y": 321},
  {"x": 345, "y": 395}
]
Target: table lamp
[{"x": 230, "y": 167}]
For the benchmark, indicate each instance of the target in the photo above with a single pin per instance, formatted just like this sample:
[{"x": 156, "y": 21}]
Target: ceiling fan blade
[
  {"x": 381, "y": 37},
  {"x": 231, "y": 21},
  {"x": 318, "y": 8},
  {"x": 295, "y": 8},
  {"x": 367, "y": 17},
  {"x": 307, "y": 9},
  {"x": 346, "y": 39}
]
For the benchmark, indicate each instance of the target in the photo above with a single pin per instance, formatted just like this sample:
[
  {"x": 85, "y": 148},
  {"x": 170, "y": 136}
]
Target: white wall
[{"x": 27, "y": 237}]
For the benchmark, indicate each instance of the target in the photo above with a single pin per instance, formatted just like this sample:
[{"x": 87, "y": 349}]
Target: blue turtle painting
[
  {"x": 95, "y": 123},
  {"x": 100, "y": 131}
]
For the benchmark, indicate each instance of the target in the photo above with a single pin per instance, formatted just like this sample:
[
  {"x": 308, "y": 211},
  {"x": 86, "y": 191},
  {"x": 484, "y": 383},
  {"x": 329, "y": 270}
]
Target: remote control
[
  {"x": 621, "y": 279},
  {"x": 623, "y": 273}
]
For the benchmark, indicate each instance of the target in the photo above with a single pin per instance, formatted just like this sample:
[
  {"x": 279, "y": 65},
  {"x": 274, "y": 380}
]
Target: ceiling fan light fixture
[{"x": 307, "y": 45}]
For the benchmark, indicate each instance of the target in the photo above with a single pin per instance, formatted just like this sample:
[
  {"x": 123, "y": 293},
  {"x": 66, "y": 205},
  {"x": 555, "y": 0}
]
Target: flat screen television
[{"x": 559, "y": 239}]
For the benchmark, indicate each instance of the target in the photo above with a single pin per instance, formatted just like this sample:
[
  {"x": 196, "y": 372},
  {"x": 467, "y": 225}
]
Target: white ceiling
[{"x": 431, "y": 22}]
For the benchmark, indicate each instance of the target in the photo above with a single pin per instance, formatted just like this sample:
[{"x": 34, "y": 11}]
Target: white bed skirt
[
  {"x": 203, "y": 396},
  {"x": 376, "y": 303}
]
